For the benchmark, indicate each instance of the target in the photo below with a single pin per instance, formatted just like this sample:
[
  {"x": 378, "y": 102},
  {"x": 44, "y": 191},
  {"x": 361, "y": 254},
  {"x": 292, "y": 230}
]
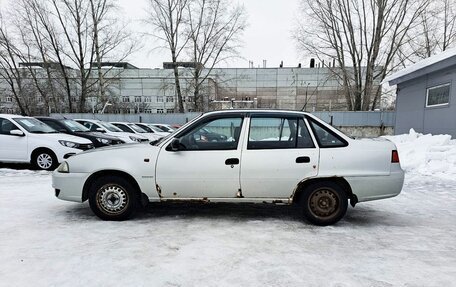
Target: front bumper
[{"x": 69, "y": 186}]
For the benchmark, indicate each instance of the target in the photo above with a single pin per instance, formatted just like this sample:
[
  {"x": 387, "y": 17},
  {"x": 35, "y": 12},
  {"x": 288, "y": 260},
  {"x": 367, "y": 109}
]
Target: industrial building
[{"x": 133, "y": 90}]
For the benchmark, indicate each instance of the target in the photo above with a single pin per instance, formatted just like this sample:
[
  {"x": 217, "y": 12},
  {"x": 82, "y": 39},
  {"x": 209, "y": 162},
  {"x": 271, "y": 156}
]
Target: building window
[
  {"x": 159, "y": 111},
  {"x": 147, "y": 99},
  {"x": 125, "y": 99},
  {"x": 159, "y": 99},
  {"x": 438, "y": 95},
  {"x": 9, "y": 111},
  {"x": 137, "y": 99},
  {"x": 169, "y": 111},
  {"x": 73, "y": 99},
  {"x": 169, "y": 99},
  {"x": 9, "y": 99},
  {"x": 40, "y": 99},
  {"x": 147, "y": 111},
  {"x": 191, "y": 99}
]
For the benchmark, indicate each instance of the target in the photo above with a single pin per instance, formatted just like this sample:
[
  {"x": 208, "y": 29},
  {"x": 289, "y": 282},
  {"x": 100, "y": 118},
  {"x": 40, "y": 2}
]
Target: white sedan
[
  {"x": 28, "y": 140},
  {"x": 283, "y": 157}
]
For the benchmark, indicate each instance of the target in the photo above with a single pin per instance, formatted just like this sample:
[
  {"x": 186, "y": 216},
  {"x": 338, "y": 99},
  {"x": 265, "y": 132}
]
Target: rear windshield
[{"x": 74, "y": 126}]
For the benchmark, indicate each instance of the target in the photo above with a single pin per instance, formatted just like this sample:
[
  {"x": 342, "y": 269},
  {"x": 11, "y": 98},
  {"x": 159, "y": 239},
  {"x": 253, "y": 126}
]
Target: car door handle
[
  {"x": 232, "y": 161},
  {"x": 303, "y": 159}
]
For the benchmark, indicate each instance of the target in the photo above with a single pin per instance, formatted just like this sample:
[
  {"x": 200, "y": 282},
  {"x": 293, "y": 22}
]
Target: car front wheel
[
  {"x": 113, "y": 198},
  {"x": 44, "y": 159},
  {"x": 324, "y": 203}
]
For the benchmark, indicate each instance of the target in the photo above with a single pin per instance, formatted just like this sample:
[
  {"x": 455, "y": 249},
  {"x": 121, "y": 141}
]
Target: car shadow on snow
[{"x": 365, "y": 216}]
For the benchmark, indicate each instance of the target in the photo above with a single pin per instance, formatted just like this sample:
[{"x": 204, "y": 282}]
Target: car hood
[
  {"x": 123, "y": 157},
  {"x": 98, "y": 135},
  {"x": 65, "y": 137}
]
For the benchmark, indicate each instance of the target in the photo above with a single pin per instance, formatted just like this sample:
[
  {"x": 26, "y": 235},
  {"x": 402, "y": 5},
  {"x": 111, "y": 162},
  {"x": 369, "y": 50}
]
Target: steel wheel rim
[
  {"x": 112, "y": 199},
  {"x": 44, "y": 161},
  {"x": 324, "y": 203}
]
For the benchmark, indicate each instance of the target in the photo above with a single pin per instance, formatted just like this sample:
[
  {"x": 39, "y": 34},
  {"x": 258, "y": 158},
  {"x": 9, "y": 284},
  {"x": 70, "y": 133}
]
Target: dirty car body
[{"x": 265, "y": 156}]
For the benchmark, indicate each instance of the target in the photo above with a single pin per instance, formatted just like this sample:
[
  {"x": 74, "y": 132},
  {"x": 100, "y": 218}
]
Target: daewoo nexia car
[{"x": 265, "y": 156}]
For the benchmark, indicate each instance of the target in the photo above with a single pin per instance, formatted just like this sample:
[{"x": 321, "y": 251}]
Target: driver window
[
  {"x": 6, "y": 127},
  {"x": 217, "y": 134}
]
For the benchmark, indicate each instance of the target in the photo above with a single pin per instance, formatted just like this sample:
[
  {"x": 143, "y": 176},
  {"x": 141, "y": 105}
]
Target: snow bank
[{"x": 428, "y": 154}]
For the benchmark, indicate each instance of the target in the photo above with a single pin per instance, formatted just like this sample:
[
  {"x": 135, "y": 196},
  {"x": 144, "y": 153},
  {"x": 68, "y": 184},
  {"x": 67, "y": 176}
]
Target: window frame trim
[{"x": 436, "y": 87}]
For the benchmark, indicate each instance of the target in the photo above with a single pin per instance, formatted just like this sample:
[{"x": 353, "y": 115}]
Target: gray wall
[
  {"x": 356, "y": 124},
  {"x": 411, "y": 111}
]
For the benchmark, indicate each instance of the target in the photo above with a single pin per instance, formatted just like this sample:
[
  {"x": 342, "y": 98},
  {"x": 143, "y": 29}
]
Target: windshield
[
  {"x": 110, "y": 127},
  {"x": 34, "y": 126},
  {"x": 155, "y": 129},
  {"x": 74, "y": 126},
  {"x": 137, "y": 129},
  {"x": 146, "y": 128}
]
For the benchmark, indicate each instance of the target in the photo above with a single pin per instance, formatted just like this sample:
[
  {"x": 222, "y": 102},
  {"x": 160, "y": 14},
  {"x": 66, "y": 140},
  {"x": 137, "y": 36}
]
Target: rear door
[{"x": 278, "y": 154}]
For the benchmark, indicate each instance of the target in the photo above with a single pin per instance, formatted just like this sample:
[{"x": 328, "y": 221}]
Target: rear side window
[
  {"x": 278, "y": 133},
  {"x": 325, "y": 137}
]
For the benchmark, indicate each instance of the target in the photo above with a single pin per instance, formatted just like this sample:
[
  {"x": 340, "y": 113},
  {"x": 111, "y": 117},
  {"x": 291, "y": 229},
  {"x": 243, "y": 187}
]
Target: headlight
[
  {"x": 135, "y": 139},
  {"x": 69, "y": 144},
  {"x": 104, "y": 141},
  {"x": 63, "y": 167}
]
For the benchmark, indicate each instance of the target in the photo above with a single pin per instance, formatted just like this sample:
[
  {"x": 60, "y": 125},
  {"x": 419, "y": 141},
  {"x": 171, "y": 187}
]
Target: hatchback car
[
  {"x": 266, "y": 156},
  {"x": 27, "y": 140}
]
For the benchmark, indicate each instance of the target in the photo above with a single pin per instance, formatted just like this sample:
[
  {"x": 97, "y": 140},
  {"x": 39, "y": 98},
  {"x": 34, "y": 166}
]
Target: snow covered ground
[{"x": 409, "y": 240}]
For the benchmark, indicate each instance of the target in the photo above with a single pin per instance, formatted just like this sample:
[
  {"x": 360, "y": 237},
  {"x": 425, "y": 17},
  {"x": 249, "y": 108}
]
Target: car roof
[{"x": 275, "y": 111}]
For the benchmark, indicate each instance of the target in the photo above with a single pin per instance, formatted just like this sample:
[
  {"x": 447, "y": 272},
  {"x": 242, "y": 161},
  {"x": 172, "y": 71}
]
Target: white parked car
[
  {"x": 27, "y": 140},
  {"x": 152, "y": 129},
  {"x": 134, "y": 129},
  {"x": 264, "y": 156},
  {"x": 112, "y": 130}
]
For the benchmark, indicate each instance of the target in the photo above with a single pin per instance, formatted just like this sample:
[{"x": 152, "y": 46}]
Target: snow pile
[{"x": 426, "y": 154}]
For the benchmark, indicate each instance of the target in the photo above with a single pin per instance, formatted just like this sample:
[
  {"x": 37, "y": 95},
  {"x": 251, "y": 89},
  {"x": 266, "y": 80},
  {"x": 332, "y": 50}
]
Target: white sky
[{"x": 268, "y": 36}]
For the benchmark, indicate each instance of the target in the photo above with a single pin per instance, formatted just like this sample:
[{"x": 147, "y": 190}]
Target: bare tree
[
  {"x": 168, "y": 18},
  {"x": 363, "y": 37},
  {"x": 10, "y": 70},
  {"x": 436, "y": 32},
  {"x": 215, "y": 28}
]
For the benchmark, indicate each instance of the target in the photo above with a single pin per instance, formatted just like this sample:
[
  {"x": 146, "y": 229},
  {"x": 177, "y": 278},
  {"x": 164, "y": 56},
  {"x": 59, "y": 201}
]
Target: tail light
[{"x": 395, "y": 157}]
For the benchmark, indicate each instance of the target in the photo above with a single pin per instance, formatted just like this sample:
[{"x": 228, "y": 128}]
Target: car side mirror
[
  {"x": 175, "y": 145},
  {"x": 100, "y": 130},
  {"x": 17, "y": 133}
]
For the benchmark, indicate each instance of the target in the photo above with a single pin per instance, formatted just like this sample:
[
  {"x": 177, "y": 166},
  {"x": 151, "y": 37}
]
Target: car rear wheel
[
  {"x": 44, "y": 159},
  {"x": 113, "y": 198},
  {"x": 324, "y": 203}
]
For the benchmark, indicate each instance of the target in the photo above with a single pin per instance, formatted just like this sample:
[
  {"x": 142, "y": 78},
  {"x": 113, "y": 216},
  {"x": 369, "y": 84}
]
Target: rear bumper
[
  {"x": 367, "y": 188},
  {"x": 69, "y": 185}
]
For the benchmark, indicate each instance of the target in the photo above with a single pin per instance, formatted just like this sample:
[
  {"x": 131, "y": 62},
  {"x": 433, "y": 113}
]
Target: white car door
[
  {"x": 279, "y": 153},
  {"x": 207, "y": 162},
  {"x": 13, "y": 147}
]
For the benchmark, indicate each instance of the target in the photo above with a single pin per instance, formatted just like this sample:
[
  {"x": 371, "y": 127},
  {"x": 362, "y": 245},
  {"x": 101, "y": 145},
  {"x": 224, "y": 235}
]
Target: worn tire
[
  {"x": 324, "y": 203},
  {"x": 44, "y": 159},
  {"x": 113, "y": 198}
]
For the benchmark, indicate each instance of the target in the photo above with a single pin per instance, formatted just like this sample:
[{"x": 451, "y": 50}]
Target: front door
[
  {"x": 13, "y": 147},
  {"x": 207, "y": 163},
  {"x": 279, "y": 153}
]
